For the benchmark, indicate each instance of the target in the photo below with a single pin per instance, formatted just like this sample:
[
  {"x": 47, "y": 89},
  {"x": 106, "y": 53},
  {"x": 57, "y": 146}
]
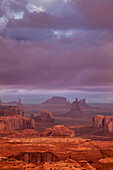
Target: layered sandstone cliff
[
  {"x": 36, "y": 157},
  {"x": 98, "y": 121},
  {"x": 11, "y": 110},
  {"x": 16, "y": 122},
  {"x": 106, "y": 122}
]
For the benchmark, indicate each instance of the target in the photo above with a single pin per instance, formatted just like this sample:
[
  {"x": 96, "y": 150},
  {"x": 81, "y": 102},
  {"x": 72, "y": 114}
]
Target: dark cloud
[
  {"x": 98, "y": 13},
  {"x": 54, "y": 50},
  {"x": 50, "y": 66}
]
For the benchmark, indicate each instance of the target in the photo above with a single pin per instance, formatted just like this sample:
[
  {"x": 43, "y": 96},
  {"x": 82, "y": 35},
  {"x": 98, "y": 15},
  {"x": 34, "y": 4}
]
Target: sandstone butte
[
  {"x": 76, "y": 111},
  {"x": 44, "y": 117},
  {"x": 105, "y": 122},
  {"x": 58, "y": 131}
]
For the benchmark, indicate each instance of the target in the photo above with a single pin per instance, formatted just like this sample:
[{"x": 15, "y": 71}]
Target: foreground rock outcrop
[
  {"x": 36, "y": 157},
  {"x": 11, "y": 110},
  {"x": 58, "y": 130},
  {"x": 16, "y": 122},
  {"x": 63, "y": 148},
  {"x": 12, "y": 163},
  {"x": 44, "y": 117},
  {"x": 105, "y": 122}
]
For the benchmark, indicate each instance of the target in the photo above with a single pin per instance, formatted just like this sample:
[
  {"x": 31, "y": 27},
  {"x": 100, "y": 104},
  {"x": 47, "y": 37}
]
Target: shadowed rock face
[
  {"x": 98, "y": 121},
  {"x": 76, "y": 111},
  {"x": 36, "y": 157},
  {"x": 106, "y": 122},
  {"x": 58, "y": 130},
  {"x": 10, "y": 111},
  {"x": 45, "y": 117},
  {"x": 16, "y": 122}
]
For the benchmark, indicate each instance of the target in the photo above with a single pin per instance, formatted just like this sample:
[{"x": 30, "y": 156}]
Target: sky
[{"x": 56, "y": 47}]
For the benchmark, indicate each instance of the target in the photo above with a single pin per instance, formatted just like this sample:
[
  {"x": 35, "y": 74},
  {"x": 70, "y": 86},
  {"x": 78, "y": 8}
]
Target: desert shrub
[{"x": 5, "y": 159}]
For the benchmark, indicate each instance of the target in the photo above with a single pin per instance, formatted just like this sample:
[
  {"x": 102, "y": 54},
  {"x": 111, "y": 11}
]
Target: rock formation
[
  {"x": 20, "y": 105},
  {"x": 58, "y": 130},
  {"x": 84, "y": 105},
  {"x": 16, "y": 122},
  {"x": 76, "y": 111},
  {"x": 10, "y": 111},
  {"x": 106, "y": 122},
  {"x": 98, "y": 121},
  {"x": 56, "y": 100},
  {"x": 36, "y": 157},
  {"x": 32, "y": 116},
  {"x": 105, "y": 164},
  {"x": 44, "y": 117},
  {"x": 26, "y": 133}
]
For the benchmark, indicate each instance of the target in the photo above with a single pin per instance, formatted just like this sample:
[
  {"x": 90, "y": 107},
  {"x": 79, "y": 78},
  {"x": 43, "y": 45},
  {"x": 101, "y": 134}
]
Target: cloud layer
[{"x": 56, "y": 44}]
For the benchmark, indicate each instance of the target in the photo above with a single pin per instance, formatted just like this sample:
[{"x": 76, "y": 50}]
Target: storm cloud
[{"x": 56, "y": 45}]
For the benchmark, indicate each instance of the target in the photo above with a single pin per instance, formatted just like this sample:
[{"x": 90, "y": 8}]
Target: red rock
[
  {"x": 36, "y": 157},
  {"x": 105, "y": 164},
  {"x": 45, "y": 117},
  {"x": 27, "y": 133},
  {"x": 58, "y": 130},
  {"x": 16, "y": 122},
  {"x": 11, "y": 110},
  {"x": 98, "y": 121},
  {"x": 106, "y": 122}
]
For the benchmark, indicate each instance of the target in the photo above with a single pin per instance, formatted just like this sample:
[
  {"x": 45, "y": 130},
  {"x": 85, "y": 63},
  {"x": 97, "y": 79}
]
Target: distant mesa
[
  {"x": 57, "y": 100},
  {"x": 76, "y": 110},
  {"x": 16, "y": 122},
  {"x": 105, "y": 122},
  {"x": 44, "y": 117},
  {"x": 58, "y": 130},
  {"x": 12, "y": 103}
]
